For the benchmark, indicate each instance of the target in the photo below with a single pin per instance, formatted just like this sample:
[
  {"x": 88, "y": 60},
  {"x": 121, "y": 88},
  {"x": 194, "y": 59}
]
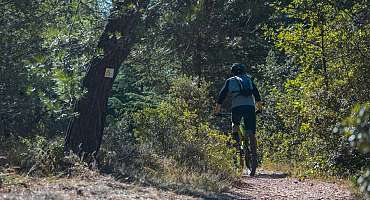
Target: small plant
[
  {"x": 41, "y": 157},
  {"x": 77, "y": 167}
]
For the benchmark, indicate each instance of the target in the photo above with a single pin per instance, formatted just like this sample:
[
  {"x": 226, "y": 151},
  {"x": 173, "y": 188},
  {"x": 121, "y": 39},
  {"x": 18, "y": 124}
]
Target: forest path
[
  {"x": 272, "y": 185},
  {"x": 265, "y": 185}
]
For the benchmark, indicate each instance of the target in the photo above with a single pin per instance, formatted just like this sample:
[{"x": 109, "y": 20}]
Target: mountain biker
[{"x": 243, "y": 106}]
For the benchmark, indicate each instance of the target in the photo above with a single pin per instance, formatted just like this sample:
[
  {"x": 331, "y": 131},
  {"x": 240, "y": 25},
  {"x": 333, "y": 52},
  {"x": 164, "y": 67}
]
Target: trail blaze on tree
[{"x": 84, "y": 133}]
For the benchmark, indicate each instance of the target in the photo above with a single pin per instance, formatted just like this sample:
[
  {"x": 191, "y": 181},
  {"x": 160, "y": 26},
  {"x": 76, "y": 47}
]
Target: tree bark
[{"x": 85, "y": 131}]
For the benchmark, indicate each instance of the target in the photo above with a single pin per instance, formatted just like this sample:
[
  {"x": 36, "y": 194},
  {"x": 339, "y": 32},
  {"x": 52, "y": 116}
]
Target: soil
[
  {"x": 268, "y": 185},
  {"x": 265, "y": 185}
]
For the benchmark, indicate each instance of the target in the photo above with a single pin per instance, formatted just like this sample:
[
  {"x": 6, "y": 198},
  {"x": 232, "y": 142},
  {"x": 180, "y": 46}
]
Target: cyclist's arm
[
  {"x": 256, "y": 93},
  {"x": 223, "y": 93}
]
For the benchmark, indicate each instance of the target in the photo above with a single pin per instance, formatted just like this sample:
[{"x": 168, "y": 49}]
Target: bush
[
  {"x": 298, "y": 119},
  {"x": 120, "y": 152},
  {"x": 175, "y": 132},
  {"x": 171, "y": 131},
  {"x": 356, "y": 127},
  {"x": 37, "y": 155},
  {"x": 172, "y": 144}
]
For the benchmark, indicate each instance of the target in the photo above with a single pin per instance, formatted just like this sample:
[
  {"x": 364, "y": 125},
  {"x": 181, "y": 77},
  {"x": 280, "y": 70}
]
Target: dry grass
[
  {"x": 88, "y": 186},
  {"x": 186, "y": 180}
]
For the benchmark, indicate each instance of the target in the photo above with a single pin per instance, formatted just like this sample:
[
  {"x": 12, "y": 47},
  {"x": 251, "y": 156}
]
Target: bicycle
[{"x": 245, "y": 158}]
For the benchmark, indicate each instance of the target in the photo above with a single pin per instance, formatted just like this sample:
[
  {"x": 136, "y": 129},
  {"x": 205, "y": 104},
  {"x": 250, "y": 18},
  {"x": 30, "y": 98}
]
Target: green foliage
[
  {"x": 203, "y": 38},
  {"x": 175, "y": 131},
  {"x": 48, "y": 46},
  {"x": 180, "y": 135},
  {"x": 41, "y": 157},
  {"x": 120, "y": 151},
  {"x": 323, "y": 76},
  {"x": 356, "y": 127}
]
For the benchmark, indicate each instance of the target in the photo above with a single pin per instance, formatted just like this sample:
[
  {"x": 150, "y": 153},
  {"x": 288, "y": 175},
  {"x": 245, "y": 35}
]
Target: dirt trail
[
  {"x": 268, "y": 185},
  {"x": 265, "y": 185}
]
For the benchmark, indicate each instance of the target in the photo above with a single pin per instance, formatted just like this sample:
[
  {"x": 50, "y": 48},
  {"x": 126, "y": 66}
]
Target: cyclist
[{"x": 243, "y": 106}]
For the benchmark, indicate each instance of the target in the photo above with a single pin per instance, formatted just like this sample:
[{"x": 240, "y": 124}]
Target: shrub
[
  {"x": 172, "y": 143},
  {"x": 173, "y": 131},
  {"x": 120, "y": 151},
  {"x": 39, "y": 156},
  {"x": 356, "y": 127}
]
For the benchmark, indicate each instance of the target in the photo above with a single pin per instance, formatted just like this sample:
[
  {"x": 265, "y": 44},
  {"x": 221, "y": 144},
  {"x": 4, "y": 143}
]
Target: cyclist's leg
[
  {"x": 236, "y": 116},
  {"x": 250, "y": 125}
]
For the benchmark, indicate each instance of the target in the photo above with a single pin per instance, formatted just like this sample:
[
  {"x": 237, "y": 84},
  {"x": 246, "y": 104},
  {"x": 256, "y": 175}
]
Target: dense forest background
[{"x": 309, "y": 58}]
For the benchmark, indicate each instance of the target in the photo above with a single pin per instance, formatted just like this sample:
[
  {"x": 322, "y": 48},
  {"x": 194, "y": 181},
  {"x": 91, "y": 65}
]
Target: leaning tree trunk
[{"x": 85, "y": 131}]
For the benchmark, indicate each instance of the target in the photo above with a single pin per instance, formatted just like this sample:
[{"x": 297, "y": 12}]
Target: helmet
[{"x": 238, "y": 68}]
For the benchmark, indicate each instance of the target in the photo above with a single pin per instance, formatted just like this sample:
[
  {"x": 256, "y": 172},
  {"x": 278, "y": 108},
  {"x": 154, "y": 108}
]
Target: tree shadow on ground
[
  {"x": 269, "y": 175},
  {"x": 180, "y": 189},
  {"x": 228, "y": 195}
]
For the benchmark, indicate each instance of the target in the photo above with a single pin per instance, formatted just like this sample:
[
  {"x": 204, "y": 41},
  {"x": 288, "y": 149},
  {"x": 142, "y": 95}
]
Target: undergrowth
[{"x": 171, "y": 144}]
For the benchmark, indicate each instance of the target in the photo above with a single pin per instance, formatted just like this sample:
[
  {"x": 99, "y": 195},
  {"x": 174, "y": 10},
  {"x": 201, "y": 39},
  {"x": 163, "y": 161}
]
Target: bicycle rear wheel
[
  {"x": 250, "y": 155},
  {"x": 250, "y": 162}
]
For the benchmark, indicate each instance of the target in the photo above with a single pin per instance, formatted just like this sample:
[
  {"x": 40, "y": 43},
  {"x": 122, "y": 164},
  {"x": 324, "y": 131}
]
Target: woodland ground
[{"x": 266, "y": 185}]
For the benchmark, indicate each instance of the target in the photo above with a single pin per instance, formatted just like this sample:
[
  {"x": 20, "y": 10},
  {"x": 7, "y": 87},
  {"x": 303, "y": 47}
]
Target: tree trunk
[{"x": 85, "y": 131}]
